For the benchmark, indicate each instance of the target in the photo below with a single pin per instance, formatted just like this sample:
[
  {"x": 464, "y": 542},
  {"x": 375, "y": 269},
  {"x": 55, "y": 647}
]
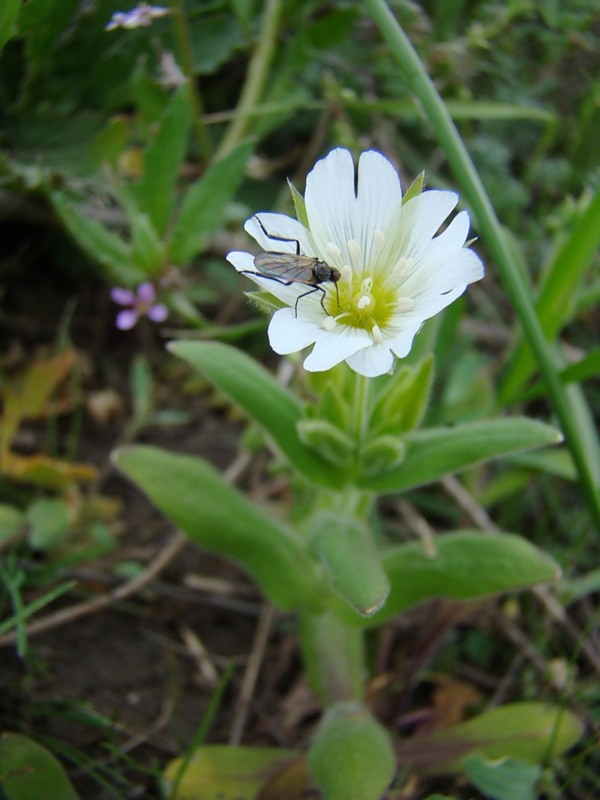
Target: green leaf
[
  {"x": 250, "y": 387},
  {"x": 102, "y": 246},
  {"x": 531, "y": 732},
  {"x": 204, "y": 204},
  {"x": 9, "y": 11},
  {"x": 28, "y": 771},
  {"x": 215, "y": 515},
  {"x": 216, "y": 772},
  {"x": 352, "y": 756},
  {"x": 436, "y": 452},
  {"x": 503, "y": 779},
  {"x": 49, "y": 520},
  {"x": 556, "y": 301},
  {"x": 147, "y": 251},
  {"x": 466, "y": 565},
  {"x": 350, "y": 560},
  {"x": 12, "y": 520},
  {"x": 163, "y": 160}
]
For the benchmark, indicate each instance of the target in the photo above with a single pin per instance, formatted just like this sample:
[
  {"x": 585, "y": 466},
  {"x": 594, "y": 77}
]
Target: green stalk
[
  {"x": 255, "y": 79},
  {"x": 185, "y": 54},
  {"x": 333, "y": 654},
  {"x": 514, "y": 282}
]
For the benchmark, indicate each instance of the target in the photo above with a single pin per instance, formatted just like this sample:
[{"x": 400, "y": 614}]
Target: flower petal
[
  {"x": 126, "y": 319},
  {"x": 372, "y": 361},
  {"x": 146, "y": 292},
  {"x": 289, "y": 334},
  {"x": 281, "y": 234},
  {"x": 331, "y": 201},
  {"x": 379, "y": 197},
  {"x": 243, "y": 262},
  {"x": 335, "y": 346},
  {"x": 420, "y": 220},
  {"x": 158, "y": 313},
  {"x": 124, "y": 297},
  {"x": 401, "y": 344}
]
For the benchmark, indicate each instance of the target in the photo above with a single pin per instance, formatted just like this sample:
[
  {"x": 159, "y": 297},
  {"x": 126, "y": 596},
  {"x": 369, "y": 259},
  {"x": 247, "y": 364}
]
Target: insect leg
[
  {"x": 311, "y": 291},
  {"x": 277, "y": 238}
]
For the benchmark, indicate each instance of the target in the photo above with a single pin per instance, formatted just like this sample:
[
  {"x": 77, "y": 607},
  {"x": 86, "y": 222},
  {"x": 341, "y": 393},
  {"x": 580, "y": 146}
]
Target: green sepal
[
  {"x": 265, "y": 302},
  {"x": 434, "y": 452},
  {"x": 415, "y": 188},
  {"x": 299, "y": 204},
  {"x": 351, "y": 757},
  {"x": 346, "y": 551},
  {"x": 464, "y": 566},
  {"x": 327, "y": 440},
  {"x": 9, "y": 12},
  {"x": 332, "y": 406},
  {"x": 381, "y": 454},
  {"x": 195, "y": 497},
  {"x": 256, "y": 392},
  {"x": 402, "y": 403}
]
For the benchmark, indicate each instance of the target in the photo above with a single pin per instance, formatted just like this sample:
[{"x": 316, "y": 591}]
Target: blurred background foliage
[{"x": 134, "y": 155}]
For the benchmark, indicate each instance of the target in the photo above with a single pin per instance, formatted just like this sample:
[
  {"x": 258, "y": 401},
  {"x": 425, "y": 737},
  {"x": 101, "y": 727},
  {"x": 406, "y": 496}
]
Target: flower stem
[
  {"x": 587, "y": 458},
  {"x": 255, "y": 78},
  {"x": 334, "y": 657},
  {"x": 185, "y": 54},
  {"x": 361, "y": 407}
]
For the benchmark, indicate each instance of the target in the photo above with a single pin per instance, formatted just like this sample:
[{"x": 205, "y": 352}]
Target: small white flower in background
[
  {"x": 394, "y": 272},
  {"x": 142, "y": 16}
]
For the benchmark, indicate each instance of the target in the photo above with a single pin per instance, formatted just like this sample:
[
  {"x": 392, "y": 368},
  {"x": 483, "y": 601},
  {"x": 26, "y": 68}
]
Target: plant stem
[
  {"x": 515, "y": 284},
  {"x": 361, "y": 407},
  {"x": 334, "y": 657},
  {"x": 255, "y": 78},
  {"x": 185, "y": 54}
]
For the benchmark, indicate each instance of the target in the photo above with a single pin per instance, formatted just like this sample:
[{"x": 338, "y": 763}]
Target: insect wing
[{"x": 285, "y": 267}]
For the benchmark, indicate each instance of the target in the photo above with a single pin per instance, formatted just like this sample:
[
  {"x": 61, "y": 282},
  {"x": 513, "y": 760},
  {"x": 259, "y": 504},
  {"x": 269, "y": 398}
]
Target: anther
[
  {"x": 403, "y": 265},
  {"x": 332, "y": 251},
  {"x": 378, "y": 240},
  {"x": 366, "y": 286},
  {"x": 376, "y": 334},
  {"x": 405, "y": 304},
  {"x": 328, "y": 324},
  {"x": 346, "y": 274},
  {"x": 364, "y": 301},
  {"x": 354, "y": 249}
]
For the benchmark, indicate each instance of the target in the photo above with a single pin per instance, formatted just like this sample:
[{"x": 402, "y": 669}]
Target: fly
[{"x": 288, "y": 268}]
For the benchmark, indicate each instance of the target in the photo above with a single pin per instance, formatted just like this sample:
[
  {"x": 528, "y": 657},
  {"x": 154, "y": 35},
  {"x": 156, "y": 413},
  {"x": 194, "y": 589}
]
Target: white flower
[
  {"x": 141, "y": 16},
  {"x": 395, "y": 273}
]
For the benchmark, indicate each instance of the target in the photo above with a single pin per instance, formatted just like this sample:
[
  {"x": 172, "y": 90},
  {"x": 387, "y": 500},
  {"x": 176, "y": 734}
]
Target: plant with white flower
[
  {"x": 355, "y": 276},
  {"x": 388, "y": 270}
]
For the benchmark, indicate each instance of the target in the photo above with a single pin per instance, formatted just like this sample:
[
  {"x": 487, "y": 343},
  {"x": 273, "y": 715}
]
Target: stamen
[
  {"x": 376, "y": 334},
  {"x": 346, "y": 274},
  {"x": 403, "y": 265},
  {"x": 332, "y": 251},
  {"x": 354, "y": 249},
  {"x": 405, "y": 304},
  {"x": 366, "y": 286},
  {"x": 378, "y": 240},
  {"x": 364, "y": 301},
  {"x": 328, "y": 324}
]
